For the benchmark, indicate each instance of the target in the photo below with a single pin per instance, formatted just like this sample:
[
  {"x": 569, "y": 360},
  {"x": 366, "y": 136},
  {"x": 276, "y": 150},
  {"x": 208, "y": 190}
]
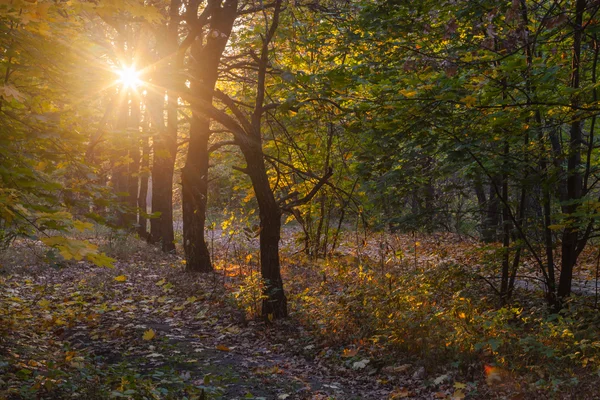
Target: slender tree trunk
[
  {"x": 275, "y": 305},
  {"x": 481, "y": 203},
  {"x": 134, "y": 165},
  {"x": 120, "y": 170},
  {"x": 505, "y": 229},
  {"x": 143, "y": 195}
]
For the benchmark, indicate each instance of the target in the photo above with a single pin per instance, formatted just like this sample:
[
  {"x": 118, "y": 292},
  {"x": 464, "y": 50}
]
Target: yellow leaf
[
  {"x": 469, "y": 100},
  {"x": 161, "y": 282},
  {"x": 69, "y": 355},
  {"x": 149, "y": 335},
  {"x": 223, "y": 348},
  {"x": 121, "y": 278},
  {"x": 82, "y": 226},
  {"x": 458, "y": 385},
  {"x": 101, "y": 260},
  {"x": 408, "y": 93},
  {"x": 44, "y": 303},
  {"x": 10, "y": 92}
]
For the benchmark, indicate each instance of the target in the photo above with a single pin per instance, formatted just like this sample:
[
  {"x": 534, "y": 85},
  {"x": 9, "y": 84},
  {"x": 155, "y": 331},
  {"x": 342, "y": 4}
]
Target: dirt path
[{"x": 194, "y": 327}]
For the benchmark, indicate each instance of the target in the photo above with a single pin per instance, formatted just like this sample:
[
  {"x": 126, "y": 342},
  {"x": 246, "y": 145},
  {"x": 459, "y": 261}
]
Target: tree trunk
[
  {"x": 574, "y": 176},
  {"x": 120, "y": 170},
  {"x": 165, "y": 147},
  {"x": 275, "y": 305},
  {"x": 492, "y": 218},
  {"x": 134, "y": 165},
  {"x": 143, "y": 195},
  {"x": 505, "y": 229},
  {"x": 165, "y": 143},
  {"x": 194, "y": 177}
]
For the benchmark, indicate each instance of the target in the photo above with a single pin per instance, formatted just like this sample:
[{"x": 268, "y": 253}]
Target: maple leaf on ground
[{"x": 149, "y": 335}]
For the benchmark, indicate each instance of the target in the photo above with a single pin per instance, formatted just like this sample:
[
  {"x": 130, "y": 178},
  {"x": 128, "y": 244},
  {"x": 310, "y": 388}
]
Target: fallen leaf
[
  {"x": 349, "y": 353},
  {"x": 44, "y": 303},
  {"x": 121, "y": 278},
  {"x": 223, "y": 348},
  {"x": 149, "y": 334}
]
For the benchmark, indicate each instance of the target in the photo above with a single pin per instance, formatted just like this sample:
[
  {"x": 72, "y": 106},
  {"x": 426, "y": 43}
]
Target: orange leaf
[{"x": 349, "y": 353}]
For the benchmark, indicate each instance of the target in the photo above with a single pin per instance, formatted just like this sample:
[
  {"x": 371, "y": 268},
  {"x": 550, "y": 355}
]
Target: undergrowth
[{"x": 443, "y": 315}]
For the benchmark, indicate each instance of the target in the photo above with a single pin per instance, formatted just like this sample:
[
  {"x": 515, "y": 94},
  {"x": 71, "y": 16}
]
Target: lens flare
[{"x": 129, "y": 77}]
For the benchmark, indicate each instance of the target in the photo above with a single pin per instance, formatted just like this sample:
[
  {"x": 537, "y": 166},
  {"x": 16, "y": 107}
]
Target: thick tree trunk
[
  {"x": 574, "y": 177},
  {"x": 194, "y": 177},
  {"x": 162, "y": 191},
  {"x": 165, "y": 148},
  {"x": 165, "y": 144}
]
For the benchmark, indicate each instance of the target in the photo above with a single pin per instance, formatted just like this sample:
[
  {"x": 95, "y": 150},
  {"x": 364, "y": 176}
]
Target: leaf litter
[{"x": 149, "y": 314}]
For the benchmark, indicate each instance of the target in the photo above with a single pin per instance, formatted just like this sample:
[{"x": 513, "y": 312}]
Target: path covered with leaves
[{"x": 145, "y": 329}]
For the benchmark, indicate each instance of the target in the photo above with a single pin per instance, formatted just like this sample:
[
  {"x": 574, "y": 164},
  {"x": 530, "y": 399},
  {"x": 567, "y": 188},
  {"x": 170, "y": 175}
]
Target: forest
[{"x": 299, "y": 199}]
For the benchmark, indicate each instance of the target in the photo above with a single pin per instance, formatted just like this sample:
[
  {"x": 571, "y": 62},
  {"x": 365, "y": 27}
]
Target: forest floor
[
  {"x": 147, "y": 316},
  {"x": 146, "y": 329}
]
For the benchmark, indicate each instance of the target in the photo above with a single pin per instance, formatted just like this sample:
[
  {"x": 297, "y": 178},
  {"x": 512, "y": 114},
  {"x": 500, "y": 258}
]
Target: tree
[
  {"x": 247, "y": 131},
  {"x": 208, "y": 36},
  {"x": 498, "y": 91},
  {"x": 165, "y": 141}
]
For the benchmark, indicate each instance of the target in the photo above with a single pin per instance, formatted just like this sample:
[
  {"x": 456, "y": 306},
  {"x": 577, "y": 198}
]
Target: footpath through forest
[{"x": 175, "y": 330}]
